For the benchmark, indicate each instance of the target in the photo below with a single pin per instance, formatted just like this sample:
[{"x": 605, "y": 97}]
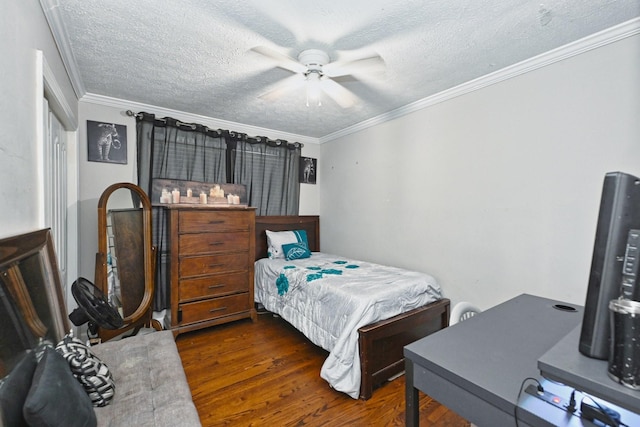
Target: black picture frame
[
  {"x": 106, "y": 142},
  {"x": 308, "y": 170}
]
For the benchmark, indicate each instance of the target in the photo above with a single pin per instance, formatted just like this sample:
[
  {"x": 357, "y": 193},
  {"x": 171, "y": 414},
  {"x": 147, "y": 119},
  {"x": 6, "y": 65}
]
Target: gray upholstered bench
[{"x": 151, "y": 387}]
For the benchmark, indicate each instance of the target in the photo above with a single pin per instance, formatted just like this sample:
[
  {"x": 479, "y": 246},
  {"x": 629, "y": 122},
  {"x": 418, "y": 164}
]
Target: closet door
[{"x": 55, "y": 186}]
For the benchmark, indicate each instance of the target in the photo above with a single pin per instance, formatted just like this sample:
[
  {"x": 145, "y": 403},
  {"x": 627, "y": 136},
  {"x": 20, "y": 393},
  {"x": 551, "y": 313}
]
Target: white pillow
[{"x": 275, "y": 240}]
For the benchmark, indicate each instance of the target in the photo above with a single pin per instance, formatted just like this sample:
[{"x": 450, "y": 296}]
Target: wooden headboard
[{"x": 309, "y": 223}]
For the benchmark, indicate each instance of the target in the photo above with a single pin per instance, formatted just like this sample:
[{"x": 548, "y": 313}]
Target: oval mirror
[{"x": 125, "y": 262}]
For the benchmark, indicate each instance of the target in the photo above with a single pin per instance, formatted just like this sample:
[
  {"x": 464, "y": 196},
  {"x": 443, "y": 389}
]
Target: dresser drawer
[
  {"x": 211, "y": 264},
  {"x": 203, "y": 221},
  {"x": 213, "y": 308},
  {"x": 203, "y": 287},
  {"x": 192, "y": 244}
]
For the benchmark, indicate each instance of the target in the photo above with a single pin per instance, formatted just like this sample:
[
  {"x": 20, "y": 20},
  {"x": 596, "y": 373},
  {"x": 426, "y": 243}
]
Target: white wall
[
  {"x": 23, "y": 31},
  {"x": 495, "y": 192},
  {"x": 95, "y": 177}
]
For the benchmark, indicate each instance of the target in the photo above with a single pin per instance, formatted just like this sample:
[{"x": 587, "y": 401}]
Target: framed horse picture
[
  {"x": 107, "y": 142},
  {"x": 308, "y": 168}
]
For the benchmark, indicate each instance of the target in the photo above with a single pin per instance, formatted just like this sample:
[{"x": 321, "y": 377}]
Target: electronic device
[
  {"x": 93, "y": 307},
  {"x": 565, "y": 406},
  {"x": 619, "y": 212},
  {"x": 628, "y": 288},
  {"x": 601, "y": 413}
]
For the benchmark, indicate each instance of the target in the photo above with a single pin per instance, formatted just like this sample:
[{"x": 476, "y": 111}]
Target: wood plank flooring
[{"x": 267, "y": 373}]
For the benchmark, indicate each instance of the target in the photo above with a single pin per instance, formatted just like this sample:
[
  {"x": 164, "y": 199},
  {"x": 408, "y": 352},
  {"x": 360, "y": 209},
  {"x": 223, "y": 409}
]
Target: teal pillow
[
  {"x": 296, "y": 251},
  {"x": 277, "y": 239}
]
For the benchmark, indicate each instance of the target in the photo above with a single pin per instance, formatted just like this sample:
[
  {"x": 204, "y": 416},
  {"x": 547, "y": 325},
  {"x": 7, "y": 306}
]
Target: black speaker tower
[{"x": 619, "y": 213}]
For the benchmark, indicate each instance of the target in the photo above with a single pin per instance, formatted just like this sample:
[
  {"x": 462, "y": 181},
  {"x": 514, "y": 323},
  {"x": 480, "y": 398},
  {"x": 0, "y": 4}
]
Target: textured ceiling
[{"x": 195, "y": 55}]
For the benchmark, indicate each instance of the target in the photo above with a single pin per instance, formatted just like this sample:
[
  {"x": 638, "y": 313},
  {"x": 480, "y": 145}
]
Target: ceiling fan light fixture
[
  {"x": 314, "y": 90},
  {"x": 316, "y": 72},
  {"x": 313, "y": 59}
]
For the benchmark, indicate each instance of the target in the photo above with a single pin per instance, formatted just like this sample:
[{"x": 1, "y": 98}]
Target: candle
[
  {"x": 203, "y": 198},
  {"x": 176, "y": 195},
  {"x": 165, "y": 197},
  {"x": 189, "y": 192}
]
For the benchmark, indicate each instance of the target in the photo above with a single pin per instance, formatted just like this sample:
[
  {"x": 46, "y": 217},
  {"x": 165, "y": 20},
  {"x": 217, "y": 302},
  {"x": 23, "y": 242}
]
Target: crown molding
[
  {"x": 211, "y": 122},
  {"x": 50, "y": 9},
  {"x": 594, "y": 41}
]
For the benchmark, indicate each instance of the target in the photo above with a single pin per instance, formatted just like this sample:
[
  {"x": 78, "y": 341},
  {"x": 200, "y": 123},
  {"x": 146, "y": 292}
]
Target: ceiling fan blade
[
  {"x": 280, "y": 88},
  {"x": 281, "y": 60},
  {"x": 373, "y": 64},
  {"x": 343, "y": 96}
]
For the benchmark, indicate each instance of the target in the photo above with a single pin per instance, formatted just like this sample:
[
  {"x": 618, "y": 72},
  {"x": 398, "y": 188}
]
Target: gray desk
[{"x": 476, "y": 367}]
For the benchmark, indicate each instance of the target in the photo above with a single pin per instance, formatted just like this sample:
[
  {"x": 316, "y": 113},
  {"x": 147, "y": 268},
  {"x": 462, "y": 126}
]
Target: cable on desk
[
  {"x": 610, "y": 420},
  {"x": 540, "y": 391},
  {"x": 572, "y": 402}
]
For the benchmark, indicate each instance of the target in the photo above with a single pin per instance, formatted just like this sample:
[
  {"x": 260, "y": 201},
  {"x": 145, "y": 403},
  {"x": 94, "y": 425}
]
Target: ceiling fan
[{"x": 315, "y": 70}]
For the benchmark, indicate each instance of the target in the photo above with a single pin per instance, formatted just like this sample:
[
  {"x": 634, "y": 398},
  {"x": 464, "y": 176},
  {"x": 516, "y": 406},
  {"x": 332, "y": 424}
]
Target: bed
[{"x": 364, "y": 350}]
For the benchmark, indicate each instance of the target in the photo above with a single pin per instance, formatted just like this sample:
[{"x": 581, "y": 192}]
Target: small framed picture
[
  {"x": 308, "y": 168},
  {"x": 107, "y": 142}
]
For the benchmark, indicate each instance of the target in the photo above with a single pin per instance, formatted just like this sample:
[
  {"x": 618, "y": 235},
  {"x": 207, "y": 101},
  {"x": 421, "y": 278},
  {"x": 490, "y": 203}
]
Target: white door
[{"x": 55, "y": 187}]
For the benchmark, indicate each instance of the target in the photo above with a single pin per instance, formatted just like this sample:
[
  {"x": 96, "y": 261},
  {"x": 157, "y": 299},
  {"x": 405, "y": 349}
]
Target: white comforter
[{"x": 328, "y": 298}]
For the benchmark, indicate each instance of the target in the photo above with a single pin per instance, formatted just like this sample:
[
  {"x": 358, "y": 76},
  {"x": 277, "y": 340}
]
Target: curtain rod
[
  {"x": 178, "y": 122},
  {"x": 219, "y": 131}
]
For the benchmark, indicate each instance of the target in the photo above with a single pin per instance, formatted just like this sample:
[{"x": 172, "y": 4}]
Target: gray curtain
[
  {"x": 170, "y": 149},
  {"x": 269, "y": 169}
]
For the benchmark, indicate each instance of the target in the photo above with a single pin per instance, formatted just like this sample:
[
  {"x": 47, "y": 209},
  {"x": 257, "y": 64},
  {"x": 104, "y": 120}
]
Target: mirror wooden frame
[
  {"x": 142, "y": 316},
  {"x": 32, "y": 305}
]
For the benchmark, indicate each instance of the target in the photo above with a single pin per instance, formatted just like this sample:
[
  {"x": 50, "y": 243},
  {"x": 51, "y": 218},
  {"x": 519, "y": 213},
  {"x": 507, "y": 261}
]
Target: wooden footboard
[{"x": 382, "y": 343}]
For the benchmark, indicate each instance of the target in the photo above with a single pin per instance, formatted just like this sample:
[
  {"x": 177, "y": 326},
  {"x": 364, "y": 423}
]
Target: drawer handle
[
  {"x": 215, "y": 265},
  {"x": 216, "y": 221},
  {"x": 217, "y": 286},
  {"x": 216, "y": 243},
  {"x": 213, "y": 310}
]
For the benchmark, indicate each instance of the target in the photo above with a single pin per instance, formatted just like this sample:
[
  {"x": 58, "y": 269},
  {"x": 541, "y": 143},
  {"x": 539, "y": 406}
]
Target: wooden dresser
[{"x": 211, "y": 267}]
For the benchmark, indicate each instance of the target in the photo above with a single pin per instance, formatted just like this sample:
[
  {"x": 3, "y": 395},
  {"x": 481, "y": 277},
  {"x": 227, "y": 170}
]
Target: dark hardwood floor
[{"x": 267, "y": 373}]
